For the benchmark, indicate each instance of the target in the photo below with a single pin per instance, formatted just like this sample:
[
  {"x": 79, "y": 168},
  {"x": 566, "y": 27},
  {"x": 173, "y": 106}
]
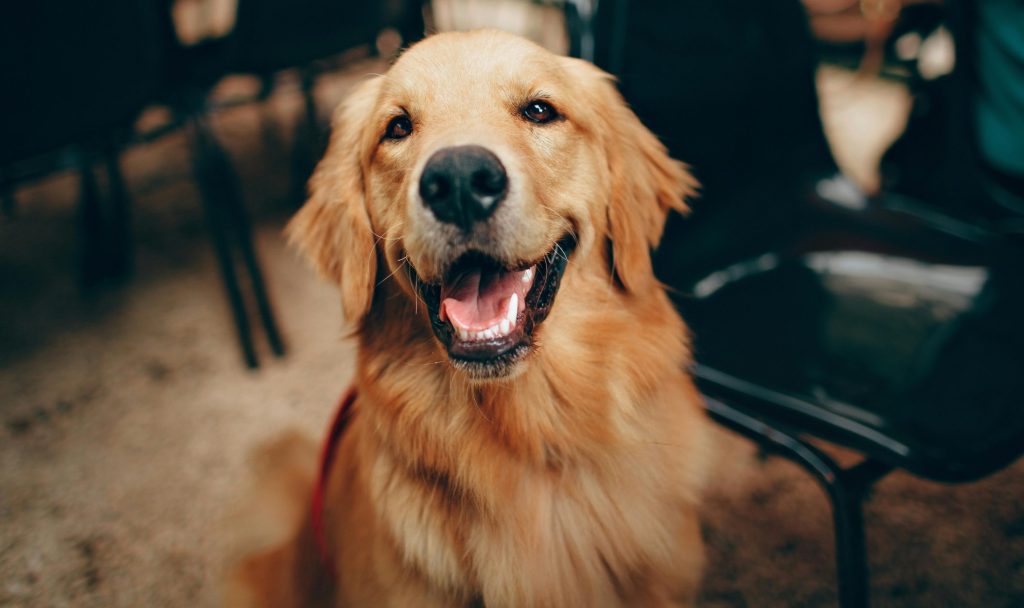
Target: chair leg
[
  {"x": 845, "y": 497},
  {"x": 239, "y": 221},
  {"x": 230, "y": 228},
  {"x": 851, "y": 561},
  {"x": 263, "y": 305},
  {"x": 216, "y": 187},
  {"x": 845, "y": 489},
  {"x": 90, "y": 225},
  {"x": 269, "y": 130},
  {"x": 308, "y": 142},
  {"x": 121, "y": 250},
  {"x": 104, "y": 222}
]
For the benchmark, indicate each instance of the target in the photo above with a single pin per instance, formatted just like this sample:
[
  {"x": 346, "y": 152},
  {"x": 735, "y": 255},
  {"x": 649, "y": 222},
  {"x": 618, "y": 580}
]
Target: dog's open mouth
[{"x": 485, "y": 312}]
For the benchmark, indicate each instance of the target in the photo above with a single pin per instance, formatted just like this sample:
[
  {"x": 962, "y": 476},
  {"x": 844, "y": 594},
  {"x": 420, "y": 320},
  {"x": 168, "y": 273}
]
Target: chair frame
[
  {"x": 845, "y": 488},
  {"x": 754, "y": 411}
]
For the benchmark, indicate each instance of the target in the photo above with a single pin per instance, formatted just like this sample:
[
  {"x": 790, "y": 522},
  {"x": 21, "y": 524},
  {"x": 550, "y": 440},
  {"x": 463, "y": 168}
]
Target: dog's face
[{"x": 478, "y": 171}]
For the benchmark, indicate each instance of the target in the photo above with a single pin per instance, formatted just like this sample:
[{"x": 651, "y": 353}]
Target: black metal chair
[
  {"x": 76, "y": 76},
  {"x": 892, "y": 334},
  {"x": 79, "y": 75},
  {"x": 887, "y": 326}
]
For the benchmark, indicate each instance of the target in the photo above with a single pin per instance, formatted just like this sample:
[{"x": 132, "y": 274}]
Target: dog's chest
[{"x": 576, "y": 539}]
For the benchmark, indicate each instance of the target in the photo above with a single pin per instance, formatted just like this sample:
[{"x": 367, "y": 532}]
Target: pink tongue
[{"x": 478, "y": 299}]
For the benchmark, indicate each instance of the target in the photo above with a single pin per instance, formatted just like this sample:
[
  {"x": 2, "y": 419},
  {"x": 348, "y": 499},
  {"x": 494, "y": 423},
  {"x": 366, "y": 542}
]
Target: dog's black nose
[{"x": 463, "y": 185}]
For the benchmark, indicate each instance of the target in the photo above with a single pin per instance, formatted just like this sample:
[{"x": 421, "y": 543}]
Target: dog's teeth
[
  {"x": 528, "y": 275},
  {"x": 498, "y": 330},
  {"x": 513, "y": 309}
]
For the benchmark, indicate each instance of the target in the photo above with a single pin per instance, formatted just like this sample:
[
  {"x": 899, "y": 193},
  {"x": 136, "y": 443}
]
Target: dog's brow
[
  {"x": 519, "y": 99},
  {"x": 396, "y": 111}
]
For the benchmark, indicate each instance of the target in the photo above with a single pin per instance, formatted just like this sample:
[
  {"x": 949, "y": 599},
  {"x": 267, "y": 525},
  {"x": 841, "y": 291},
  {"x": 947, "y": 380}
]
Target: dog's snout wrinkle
[{"x": 463, "y": 185}]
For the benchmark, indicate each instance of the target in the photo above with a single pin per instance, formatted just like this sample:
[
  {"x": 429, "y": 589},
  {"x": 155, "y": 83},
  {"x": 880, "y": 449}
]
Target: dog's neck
[
  {"x": 556, "y": 411},
  {"x": 579, "y": 430}
]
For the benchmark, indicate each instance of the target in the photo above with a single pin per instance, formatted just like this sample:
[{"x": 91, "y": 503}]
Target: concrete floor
[{"x": 127, "y": 419}]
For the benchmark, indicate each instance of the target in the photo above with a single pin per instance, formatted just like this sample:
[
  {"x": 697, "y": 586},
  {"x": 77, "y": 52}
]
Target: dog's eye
[
  {"x": 539, "y": 111},
  {"x": 400, "y": 127}
]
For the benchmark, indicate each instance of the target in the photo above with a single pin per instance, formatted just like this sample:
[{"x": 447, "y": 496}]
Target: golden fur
[{"x": 572, "y": 481}]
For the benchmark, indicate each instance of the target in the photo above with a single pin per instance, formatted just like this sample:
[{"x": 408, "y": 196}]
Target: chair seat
[{"x": 909, "y": 356}]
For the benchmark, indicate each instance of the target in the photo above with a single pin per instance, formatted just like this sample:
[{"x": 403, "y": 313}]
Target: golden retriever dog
[{"x": 523, "y": 432}]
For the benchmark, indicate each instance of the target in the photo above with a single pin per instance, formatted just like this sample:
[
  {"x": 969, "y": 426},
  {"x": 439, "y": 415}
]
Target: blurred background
[{"x": 851, "y": 272}]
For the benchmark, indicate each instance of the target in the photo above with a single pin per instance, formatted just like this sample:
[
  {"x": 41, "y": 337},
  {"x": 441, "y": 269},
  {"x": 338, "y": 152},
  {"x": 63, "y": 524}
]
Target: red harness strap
[{"x": 341, "y": 420}]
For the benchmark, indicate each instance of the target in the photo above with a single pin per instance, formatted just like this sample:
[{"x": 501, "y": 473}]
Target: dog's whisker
[
  {"x": 386, "y": 238},
  {"x": 561, "y": 220},
  {"x": 400, "y": 266},
  {"x": 561, "y": 252},
  {"x": 416, "y": 291},
  {"x": 569, "y": 228}
]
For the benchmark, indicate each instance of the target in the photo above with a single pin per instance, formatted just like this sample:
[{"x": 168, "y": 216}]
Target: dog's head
[{"x": 475, "y": 174}]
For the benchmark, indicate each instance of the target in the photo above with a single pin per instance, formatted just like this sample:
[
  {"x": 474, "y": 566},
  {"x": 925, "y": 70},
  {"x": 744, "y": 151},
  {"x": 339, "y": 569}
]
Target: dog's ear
[
  {"x": 645, "y": 182},
  {"x": 333, "y": 227}
]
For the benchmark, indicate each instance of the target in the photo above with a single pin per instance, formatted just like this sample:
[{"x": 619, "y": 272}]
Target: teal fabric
[{"x": 1000, "y": 103}]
